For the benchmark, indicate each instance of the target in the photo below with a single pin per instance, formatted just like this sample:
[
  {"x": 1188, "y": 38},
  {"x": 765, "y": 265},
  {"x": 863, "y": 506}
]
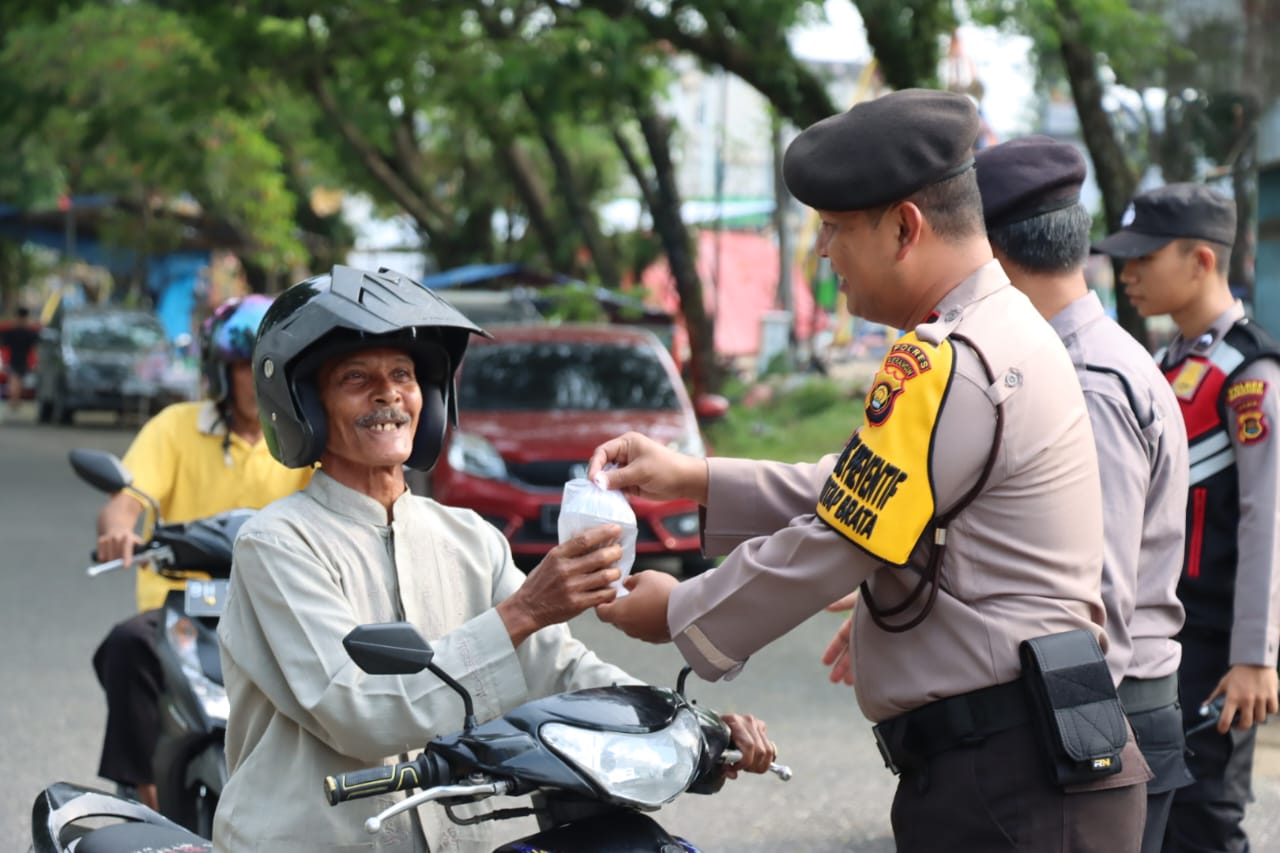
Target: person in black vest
[{"x": 1225, "y": 372}]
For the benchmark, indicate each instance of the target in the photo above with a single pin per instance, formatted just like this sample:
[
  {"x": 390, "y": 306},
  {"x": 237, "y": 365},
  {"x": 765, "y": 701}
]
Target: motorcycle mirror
[
  {"x": 396, "y": 648},
  {"x": 102, "y": 470},
  {"x": 388, "y": 648}
]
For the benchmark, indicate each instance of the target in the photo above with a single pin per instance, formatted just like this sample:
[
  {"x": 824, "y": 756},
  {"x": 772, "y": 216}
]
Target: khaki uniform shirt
[
  {"x": 307, "y": 570},
  {"x": 1024, "y": 559},
  {"x": 1255, "y": 631},
  {"x": 1142, "y": 460}
]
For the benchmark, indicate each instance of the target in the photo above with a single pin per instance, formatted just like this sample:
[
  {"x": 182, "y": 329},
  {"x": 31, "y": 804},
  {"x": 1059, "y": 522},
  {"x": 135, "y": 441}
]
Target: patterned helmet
[
  {"x": 345, "y": 311},
  {"x": 227, "y": 337}
]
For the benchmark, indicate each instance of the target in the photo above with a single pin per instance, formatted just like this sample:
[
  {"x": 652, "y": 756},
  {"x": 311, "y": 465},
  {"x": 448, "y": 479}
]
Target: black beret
[
  {"x": 1162, "y": 215},
  {"x": 1026, "y": 177},
  {"x": 882, "y": 150}
]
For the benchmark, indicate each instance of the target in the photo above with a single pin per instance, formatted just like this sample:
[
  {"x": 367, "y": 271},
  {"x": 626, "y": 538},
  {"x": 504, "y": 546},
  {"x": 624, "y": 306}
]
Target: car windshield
[
  {"x": 558, "y": 375},
  {"x": 114, "y": 333}
]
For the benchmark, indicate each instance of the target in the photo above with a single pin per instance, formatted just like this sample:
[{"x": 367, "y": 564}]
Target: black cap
[
  {"x": 1026, "y": 177},
  {"x": 882, "y": 151},
  {"x": 1170, "y": 213}
]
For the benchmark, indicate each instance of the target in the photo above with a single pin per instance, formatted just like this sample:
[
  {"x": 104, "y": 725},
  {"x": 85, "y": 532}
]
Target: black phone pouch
[{"x": 1078, "y": 714}]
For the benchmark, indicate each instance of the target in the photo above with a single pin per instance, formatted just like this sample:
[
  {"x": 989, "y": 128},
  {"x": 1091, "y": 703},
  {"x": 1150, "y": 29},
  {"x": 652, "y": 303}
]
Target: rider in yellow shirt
[{"x": 195, "y": 459}]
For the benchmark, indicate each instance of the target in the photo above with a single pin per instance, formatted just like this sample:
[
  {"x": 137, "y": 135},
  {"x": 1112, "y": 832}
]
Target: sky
[{"x": 1000, "y": 61}]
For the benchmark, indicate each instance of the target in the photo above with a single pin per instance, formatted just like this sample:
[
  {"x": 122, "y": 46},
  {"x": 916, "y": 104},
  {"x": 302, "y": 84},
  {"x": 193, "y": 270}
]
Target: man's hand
[
  {"x": 750, "y": 738},
  {"x": 1250, "y": 691},
  {"x": 643, "y": 613},
  {"x": 573, "y": 577},
  {"x": 116, "y": 522},
  {"x": 837, "y": 655},
  {"x": 647, "y": 469}
]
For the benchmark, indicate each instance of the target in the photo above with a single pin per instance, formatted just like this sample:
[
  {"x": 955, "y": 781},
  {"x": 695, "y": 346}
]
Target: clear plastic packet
[{"x": 586, "y": 505}]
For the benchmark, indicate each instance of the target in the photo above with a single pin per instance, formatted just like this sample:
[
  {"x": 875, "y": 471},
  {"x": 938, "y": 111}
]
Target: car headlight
[
  {"x": 471, "y": 454},
  {"x": 690, "y": 444},
  {"x": 646, "y": 770},
  {"x": 183, "y": 637}
]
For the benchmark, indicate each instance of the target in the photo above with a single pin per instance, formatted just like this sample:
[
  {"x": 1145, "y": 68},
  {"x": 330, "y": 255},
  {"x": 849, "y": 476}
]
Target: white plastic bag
[{"x": 586, "y": 505}]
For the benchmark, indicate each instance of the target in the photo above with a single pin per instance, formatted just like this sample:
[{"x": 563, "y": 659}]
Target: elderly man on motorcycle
[
  {"x": 355, "y": 370},
  {"x": 195, "y": 459}
]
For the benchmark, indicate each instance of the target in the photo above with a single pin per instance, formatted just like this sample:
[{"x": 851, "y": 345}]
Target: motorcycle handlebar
[
  {"x": 157, "y": 556},
  {"x": 425, "y": 771}
]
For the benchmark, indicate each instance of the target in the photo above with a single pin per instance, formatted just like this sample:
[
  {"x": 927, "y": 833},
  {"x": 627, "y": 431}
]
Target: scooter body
[
  {"x": 595, "y": 762},
  {"x": 189, "y": 764}
]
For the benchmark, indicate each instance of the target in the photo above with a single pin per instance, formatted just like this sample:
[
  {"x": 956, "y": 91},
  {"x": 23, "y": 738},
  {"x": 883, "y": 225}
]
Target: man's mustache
[{"x": 382, "y": 416}]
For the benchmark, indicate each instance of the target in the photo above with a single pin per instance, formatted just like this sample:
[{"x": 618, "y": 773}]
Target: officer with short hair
[
  {"x": 967, "y": 508},
  {"x": 1039, "y": 232},
  {"x": 1225, "y": 372}
]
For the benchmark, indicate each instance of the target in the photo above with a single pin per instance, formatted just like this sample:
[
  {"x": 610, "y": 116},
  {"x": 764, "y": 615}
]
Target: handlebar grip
[{"x": 423, "y": 772}]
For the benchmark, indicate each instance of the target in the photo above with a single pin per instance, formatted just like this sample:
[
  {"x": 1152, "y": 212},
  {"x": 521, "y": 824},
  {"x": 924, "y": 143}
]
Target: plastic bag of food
[{"x": 586, "y": 505}]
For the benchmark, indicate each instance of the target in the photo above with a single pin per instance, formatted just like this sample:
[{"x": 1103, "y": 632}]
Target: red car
[{"x": 536, "y": 401}]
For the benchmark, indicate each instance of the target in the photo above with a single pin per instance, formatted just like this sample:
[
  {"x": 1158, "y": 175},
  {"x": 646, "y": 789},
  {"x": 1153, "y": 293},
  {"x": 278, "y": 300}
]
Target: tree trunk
[
  {"x": 1115, "y": 178},
  {"x": 533, "y": 195},
  {"x": 704, "y": 374}
]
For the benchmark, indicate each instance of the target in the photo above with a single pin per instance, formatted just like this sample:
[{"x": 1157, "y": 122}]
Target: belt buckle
[{"x": 883, "y": 745}]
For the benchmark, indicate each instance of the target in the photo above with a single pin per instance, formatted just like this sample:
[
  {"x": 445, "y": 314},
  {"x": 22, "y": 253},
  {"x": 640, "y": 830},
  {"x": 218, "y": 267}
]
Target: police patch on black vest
[
  {"x": 879, "y": 496},
  {"x": 1245, "y": 399}
]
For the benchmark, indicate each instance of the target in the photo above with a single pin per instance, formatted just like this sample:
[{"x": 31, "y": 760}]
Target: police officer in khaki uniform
[
  {"x": 1225, "y": 373},
  {"x": 967, "y": 506},
  {"x": 1039, "y": 233}
]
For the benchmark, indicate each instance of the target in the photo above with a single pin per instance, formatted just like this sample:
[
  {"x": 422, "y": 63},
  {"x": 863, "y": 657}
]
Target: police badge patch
[
  {"x": 1245, "y": 399},
  {"x": 905, "y": 360}
]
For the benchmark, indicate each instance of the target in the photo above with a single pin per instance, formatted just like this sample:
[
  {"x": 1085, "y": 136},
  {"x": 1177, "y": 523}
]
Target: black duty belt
[
  {"x": 906, "y": 742},
  {"x": 1139, "y": 695}
]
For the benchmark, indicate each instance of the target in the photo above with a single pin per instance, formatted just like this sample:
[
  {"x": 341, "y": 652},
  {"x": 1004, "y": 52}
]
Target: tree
[{"x": 125, "y": 100}]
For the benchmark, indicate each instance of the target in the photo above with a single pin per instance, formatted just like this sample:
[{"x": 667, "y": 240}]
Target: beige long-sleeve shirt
[
  {"x": 1142, "y": 461},
  {"x": 307, "y": 570},
  {"x": 1024, "y": 559}
]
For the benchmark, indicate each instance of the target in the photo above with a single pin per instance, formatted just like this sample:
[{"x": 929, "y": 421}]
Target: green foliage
[
  {"x": 797, "y": 425},
  {"x": 126, "y": 100}
]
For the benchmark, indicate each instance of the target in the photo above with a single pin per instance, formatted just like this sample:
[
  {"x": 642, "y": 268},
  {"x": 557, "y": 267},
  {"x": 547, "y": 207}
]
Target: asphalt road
[{"x": 52, "y": 712}]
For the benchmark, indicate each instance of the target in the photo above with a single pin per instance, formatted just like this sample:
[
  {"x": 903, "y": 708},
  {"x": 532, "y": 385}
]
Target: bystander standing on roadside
[{"x": 19, "y": 339}]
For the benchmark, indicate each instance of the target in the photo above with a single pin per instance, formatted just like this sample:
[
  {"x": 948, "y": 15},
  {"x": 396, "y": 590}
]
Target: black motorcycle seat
[{"x": 132, "y": 837}]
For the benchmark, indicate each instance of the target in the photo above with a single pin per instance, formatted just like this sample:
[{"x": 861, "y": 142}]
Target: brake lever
[{"x": 733, "y": 756}]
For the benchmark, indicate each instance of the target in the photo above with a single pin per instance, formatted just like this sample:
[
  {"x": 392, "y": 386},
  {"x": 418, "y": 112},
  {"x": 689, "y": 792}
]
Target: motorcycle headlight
[
  {"x": 471, "y": 454},
  {"x": 646, "y": 770},
  {"x": 183, "y": 637}
]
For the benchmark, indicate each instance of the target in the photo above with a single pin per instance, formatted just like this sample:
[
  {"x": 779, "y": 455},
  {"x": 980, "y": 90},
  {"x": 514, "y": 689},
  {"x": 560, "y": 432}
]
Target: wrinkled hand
[
  {"x": 650, "y": 470},
  {"x": 117, "y": 544},
  {"x": 573, "y": 577},
  {"x": 749, "y": 737},
  {"x": 1250, "y": 691},
  {"x": 643, "y": 613}
]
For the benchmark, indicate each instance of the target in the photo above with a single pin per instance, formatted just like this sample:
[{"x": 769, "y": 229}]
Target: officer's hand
[
  {"x": 750, "y": 738},
  {"x": 643, "y": 613},
  {"x": 573, "y": 577},
  {"x": 1250, "y": 691},
  {"x": 647, "y": 469},
  {"x": 117, "y": 544},
  {"x": 837, "y": 655},
  {"x": 840, "y": 605}
]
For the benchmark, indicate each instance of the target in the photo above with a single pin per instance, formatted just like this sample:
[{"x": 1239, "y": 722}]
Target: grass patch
[{"x": 802, "y": 419}]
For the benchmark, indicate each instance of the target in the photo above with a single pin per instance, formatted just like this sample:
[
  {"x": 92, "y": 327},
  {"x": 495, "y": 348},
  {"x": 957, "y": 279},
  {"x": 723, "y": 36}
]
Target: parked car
[
  {"x": 534, "y": 403},
  {"x": 29, "y": 384},
  {"x": 103, "y": 359}
]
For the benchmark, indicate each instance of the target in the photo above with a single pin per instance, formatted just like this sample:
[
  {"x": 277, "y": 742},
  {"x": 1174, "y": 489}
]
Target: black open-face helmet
[{"x": 345, "y": 311}]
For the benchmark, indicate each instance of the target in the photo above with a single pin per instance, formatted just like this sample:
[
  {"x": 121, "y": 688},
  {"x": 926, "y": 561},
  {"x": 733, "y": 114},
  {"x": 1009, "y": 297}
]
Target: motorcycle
[
  {"x": 68, "y": 817},
  {"x": 190, "y": 762},
  {"x": 594, "y": 761}
]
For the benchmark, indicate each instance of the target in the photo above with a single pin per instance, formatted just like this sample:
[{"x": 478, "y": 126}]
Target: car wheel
[
  {"x": 62, "y": 413},
  {"x": 692, "y": 565}
]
